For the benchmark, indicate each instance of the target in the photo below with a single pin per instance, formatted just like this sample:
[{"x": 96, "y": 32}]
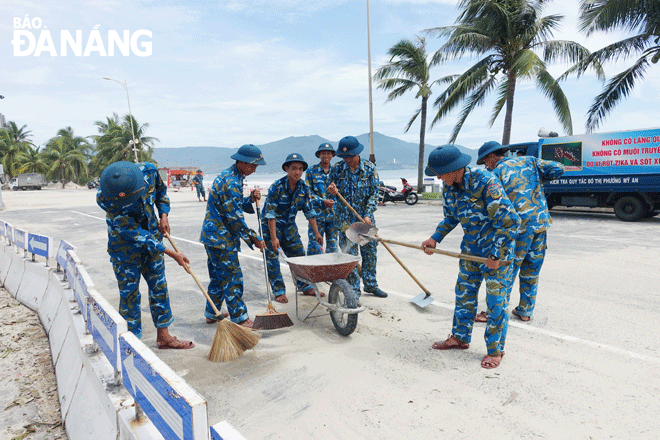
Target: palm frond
[{"x": 550, "y": 88}]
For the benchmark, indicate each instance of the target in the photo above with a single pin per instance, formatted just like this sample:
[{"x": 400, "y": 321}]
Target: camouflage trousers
[
  {"x": 369, "y": 259},
  {"x": 152, "y": 268},
  {"x": 470, "y": 276},
  {"x": 226, "y": 283},
  {"x": 529, "y": 255},
  {"x": 328, "y": 230},
  {"x": 200, "y": 191},
  {"x": 292, "y": 246}
]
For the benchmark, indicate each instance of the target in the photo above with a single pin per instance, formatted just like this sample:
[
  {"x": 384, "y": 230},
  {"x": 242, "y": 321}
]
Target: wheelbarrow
[{"x": 331, "y": 269}]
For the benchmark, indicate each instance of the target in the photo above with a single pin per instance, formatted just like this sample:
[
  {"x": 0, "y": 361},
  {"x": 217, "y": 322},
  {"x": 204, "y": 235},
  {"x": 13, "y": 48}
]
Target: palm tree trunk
[
  {"x": 510, "y": 91},
  {"x": 420, "y": 159}
]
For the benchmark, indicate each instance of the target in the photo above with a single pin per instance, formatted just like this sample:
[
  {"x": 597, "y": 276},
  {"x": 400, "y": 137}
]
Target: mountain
[{"x": 391, "y": 153}]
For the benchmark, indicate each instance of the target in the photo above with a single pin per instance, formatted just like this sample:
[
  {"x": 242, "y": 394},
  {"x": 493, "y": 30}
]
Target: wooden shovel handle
[
  {"x": 208, "y": 298},
  {"x": 386, "y": 246},
  {"x": 448, "y": 253}
]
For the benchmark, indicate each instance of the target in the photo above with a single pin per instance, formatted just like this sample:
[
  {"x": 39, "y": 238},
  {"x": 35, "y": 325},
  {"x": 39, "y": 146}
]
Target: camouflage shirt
[
  {"x": 522, "y": 179},
  {"x": 198, "y": 180},
  {"x": 489, "y": 220},
  {"x": 317, "y": 180},
  {"x": 359, "y": 188},
  {"x": 282, "y": 204},
  {"x": 134, "y": 228},
  {"x": 224, "y": 223}
]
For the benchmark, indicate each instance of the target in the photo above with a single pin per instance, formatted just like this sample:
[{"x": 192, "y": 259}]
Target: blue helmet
[
  {"x": 445, "y": 159},
  {"x": 249, "y": 154},
  {"x": 122, "y": 183},
  {"x": 325, "y": 147},
  {"x": 349, "y": 146},
  {"x": 294, "y": 157},
  {"x": 487, "y": 148}
]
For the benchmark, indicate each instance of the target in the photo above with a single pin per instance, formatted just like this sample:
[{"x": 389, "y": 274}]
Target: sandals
[
  {"x": 522, "y": 318},
  {"x": 481, "y": 317},
  {"x": 445, "y": 346},
  {"x": 310, "y": 292},
  {"x": 489, "y": 362},
  {"x": 282, "y": 299},
  {"x": 213, "y": 321},
  {"x": 175, "y": 344}
]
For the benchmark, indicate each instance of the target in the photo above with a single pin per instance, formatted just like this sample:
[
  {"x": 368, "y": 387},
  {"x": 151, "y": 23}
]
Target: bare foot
[
  {"x": 450, "y": 343},
  {"x": 282, "y": 299},
  {"x": 247, "y": 323}
]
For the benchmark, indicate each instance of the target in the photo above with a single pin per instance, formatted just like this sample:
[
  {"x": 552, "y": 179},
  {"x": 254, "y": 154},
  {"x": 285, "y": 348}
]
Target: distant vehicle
[
  {"x": 92, "y": 184},
  {"x": 617, "y": 169},
  {"x": 27, "y": 181}
]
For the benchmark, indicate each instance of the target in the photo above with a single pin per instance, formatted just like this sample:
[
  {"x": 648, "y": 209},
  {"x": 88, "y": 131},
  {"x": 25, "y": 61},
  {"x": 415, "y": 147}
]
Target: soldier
[
  {"x": 522, "y": 179},
  {"x": 198, "y": 181},
  {"x": 316, "y": 178},
  {"x": 287, "y": 196},
  {"x": 474, "y": 198},
  {"x": 357, "y": 181},
  {"x": 223, "y": 226},
  {"x": 128, "y": 193}
]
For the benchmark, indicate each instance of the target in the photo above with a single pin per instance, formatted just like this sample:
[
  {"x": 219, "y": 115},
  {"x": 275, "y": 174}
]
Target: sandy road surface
[{"x": 585, "y": 367}]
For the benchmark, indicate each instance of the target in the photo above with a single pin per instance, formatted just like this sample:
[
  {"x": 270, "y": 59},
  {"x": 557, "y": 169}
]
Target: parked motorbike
[
  {"x": 388, "y": 193},
  {"x": 93, "y": 184}
]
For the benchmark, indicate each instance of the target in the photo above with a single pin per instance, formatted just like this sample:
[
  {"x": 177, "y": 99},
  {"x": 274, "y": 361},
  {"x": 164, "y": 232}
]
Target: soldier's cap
[
  {"x": 249, "y": 154},
  {"x": 294, "y": 157},
  {"x": 325, "y": 147},
  {"x": 487, "y": 148},
  {"x": 445, "y": 159},
  {"x": 349, "y": 146},
  {"x": 122, "y": 183},
  {"x": 199, "y": 171}
]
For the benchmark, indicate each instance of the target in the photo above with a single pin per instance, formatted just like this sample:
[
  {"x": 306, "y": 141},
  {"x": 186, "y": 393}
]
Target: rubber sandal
[
  {"x": 444, "y": 346},
  {"x": 481, "y": 317},
  {"x": 522, "y": 318},
  {"x": 175, "y": 344},
  {"x": 282, "y": 299},
  {"x": 489, "y": 362}
]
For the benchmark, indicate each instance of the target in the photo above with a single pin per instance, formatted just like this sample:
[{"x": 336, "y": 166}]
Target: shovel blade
[
  {"x": 422, "y": 300},
  {"x": 361, "y": 233}
]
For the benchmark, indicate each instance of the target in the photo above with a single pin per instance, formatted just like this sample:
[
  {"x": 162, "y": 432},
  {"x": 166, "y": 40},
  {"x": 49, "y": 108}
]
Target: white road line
[
  {"x": 529, "y": 328},
  {"x": 555, "y": 335}
]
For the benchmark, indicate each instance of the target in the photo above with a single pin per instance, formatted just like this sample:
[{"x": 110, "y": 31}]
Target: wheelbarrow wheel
[{"x": 341, "y": 294}]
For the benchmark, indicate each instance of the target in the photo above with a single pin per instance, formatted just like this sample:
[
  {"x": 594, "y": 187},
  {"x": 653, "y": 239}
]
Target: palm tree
[
  {"x": 10, "y": 149},
  {"x": 113, "y": 142},
  {"x": 32, "y": 161},
  {"x": 409, "y": 69},
  {"x": 68, "y": 155},
  {"x": 640, "y": 16},
  {"x": 18, "y": 134},
  {"x": 506, "y": 33}
]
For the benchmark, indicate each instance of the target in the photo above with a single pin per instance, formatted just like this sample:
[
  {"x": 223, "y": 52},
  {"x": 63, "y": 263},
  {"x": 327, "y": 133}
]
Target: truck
[
  {"x": 620, "y": 170},
  {"x": 27, "y": 181}
]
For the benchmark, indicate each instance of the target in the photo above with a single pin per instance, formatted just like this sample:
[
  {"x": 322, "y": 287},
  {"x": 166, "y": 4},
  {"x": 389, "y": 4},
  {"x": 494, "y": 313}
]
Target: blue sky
[{"x": 227, "y": 73}]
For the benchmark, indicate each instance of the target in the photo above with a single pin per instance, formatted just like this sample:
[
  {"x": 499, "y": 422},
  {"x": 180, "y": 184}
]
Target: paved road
[{"x": 586, "y": 366}]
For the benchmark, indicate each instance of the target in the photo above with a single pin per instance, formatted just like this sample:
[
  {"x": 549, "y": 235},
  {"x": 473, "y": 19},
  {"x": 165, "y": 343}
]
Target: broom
[
  {"x": 230, "y": 340},
  {"x": 271, "y": 319}
]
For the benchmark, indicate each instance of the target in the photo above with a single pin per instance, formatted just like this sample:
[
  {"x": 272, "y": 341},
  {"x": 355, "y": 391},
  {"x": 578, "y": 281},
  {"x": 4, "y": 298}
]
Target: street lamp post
[
  {"x": 133, "y": 142},
  {"x": 372, "y": 156}
]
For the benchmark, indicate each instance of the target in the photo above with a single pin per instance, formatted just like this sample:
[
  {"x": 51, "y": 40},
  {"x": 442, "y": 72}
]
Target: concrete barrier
[
  {"x": 7, "y": 251},
  {"x": 34, "y": 284},
  {"x": 105, "y": 325},
  {"x": 60, "y": 255},
  {"x": 81, "y": 283},
  {"x": 14, "y": 273},
  {"x": 51, "y": 301},
  {"x": 70, "y": 269}
]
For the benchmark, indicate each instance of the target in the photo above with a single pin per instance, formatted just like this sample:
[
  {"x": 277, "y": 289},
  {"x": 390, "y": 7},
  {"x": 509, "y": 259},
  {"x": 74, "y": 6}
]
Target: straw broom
[
  {"x": 271, "y": 319},
  {"x": 230, "y": 340}
]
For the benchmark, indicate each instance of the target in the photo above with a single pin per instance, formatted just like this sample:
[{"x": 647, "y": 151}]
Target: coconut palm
[
  {"x": 18, "y": 134},
  {"x": 505, "y": 35},
  {"x": 32, "y": 161},
  {"x": 112, "y": 144},
  {"x": 68, "y": 155},
  {"x": 639, "y": 16},
  {"x": 409, "y": 69},
  {"x": 10, "y": 149}
]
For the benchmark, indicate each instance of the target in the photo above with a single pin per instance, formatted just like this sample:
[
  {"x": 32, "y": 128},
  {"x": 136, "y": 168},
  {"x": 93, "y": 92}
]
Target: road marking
[{"x": 556, "y": 335}]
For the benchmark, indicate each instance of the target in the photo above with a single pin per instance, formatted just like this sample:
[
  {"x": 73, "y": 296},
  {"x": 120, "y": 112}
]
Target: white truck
[{"x": 27, "y": 181}]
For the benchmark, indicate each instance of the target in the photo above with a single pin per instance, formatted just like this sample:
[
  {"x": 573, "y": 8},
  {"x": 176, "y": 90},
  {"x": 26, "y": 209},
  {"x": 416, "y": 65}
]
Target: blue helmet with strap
[
  {"x": 249, "y": 154},
  {"x": 445, "y": 159},
  {"x": 122, "y": 183}
]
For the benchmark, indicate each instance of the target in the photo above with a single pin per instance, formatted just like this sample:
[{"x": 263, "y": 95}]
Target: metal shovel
[{"x": 362, "y": 233}]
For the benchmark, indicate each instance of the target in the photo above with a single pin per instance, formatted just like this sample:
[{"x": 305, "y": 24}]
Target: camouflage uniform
[
  {"x": 317, "y": 181},
  {"x": 198, "y": 181},
  {"x": 490, "y": 224},
  {"x": 522, "y": 179},
  {"x": 135, "y": 248},
  {"x": 223, "y": 226},
  {"x": 283, "y": 205},
  {"x": 360, "y": 189}
]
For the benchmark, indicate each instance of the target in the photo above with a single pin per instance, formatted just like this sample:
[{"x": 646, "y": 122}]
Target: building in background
[{"x": 2, "y": 120}]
